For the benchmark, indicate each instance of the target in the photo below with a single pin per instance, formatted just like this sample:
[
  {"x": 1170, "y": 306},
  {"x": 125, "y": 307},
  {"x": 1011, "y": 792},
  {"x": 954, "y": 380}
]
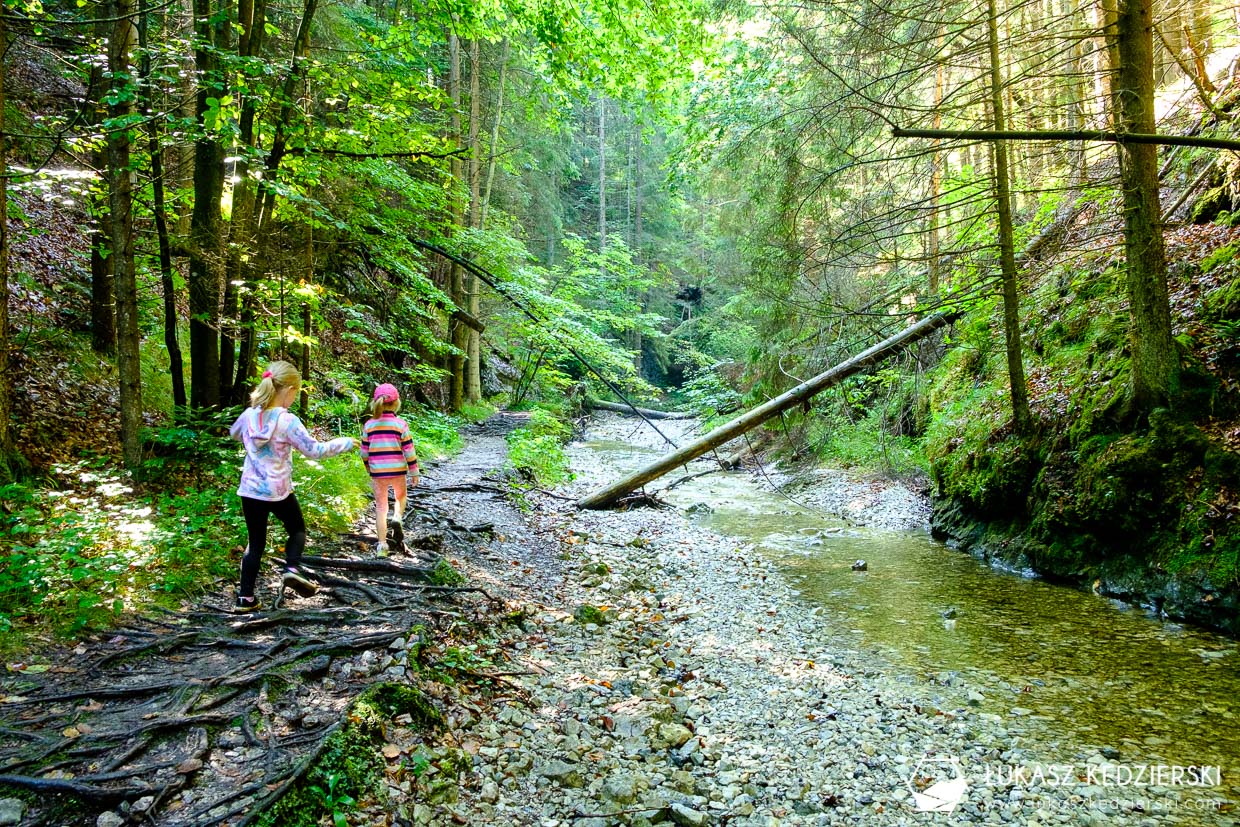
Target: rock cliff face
[{"x": 1192, "y": 598}]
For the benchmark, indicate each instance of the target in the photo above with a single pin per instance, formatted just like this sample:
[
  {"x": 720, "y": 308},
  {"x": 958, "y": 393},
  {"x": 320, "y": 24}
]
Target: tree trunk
[
  {"x": 1155, "y": 361},
  {"x": 495, "y": 122},
  {"x": 120, "y": 206},
  {"x": 1107, "y": 58},
  {"x": 458, "y": 333},
  {"x": 473, "y": 361},
  {"x": 239, "y": 267},
  {"x": 602, "y": 173},
  {"x": 102, "y": 291},
  {"x": 932, "y": 228},
  {"x": 159, "y": 208},
  {"x": 6, "y": 375},
  {"x": 204, "y": 248},
  {"x": 638, "y": 183},
  {"x": 1021, "y": 419},
  {"x": 304, "y": 401}
]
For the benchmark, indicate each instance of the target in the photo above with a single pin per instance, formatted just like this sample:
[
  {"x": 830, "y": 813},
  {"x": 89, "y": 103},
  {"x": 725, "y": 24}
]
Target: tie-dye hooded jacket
[{"x": 269, "y": 437}]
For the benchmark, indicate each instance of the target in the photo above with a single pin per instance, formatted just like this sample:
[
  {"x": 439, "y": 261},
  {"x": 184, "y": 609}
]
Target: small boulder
[
  {"x": 566, "y": 775},
  {"x": 860, "y": 565},
  {"x": 670, "y": 735},
  {"x": 687, "y": 816},
  {"x": 620, "y": 787},
  {"x": 11, "y": 811}
]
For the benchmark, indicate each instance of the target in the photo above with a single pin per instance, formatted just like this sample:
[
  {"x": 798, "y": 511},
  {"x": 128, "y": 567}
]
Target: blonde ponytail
[
  {"x": 383, "y": 405},
  {"x": 277, "y": 377}
]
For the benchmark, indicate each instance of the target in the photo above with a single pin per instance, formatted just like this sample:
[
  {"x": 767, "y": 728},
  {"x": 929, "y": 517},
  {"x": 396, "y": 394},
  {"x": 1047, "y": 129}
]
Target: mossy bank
[
  {"x": 1148, "y": 516},
  {"x": 1146, "y": 509}
]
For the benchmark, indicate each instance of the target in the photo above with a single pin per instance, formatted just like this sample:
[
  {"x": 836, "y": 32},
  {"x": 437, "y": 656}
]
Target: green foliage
[
  {"x": 444, "y": 574},
  {"x": 435, "y": 434},
  {"x": 536, "y": 450},
  {"x": 708, "y": 394},
  {"x": 349, "y": 769},
  {"x": 1223, "y": 255},
  {"x": 387, "y": 701},
  {"x": 336, "y": 802},
  {"x": 332, "y": 492},
  {"x": 585, "y": 613},
  {"x": 194, "y": 449},
  {"x": 94, "y": 544}
]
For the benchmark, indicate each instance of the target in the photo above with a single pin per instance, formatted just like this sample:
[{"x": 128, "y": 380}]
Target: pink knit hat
[{"x": 386, "y": 392}]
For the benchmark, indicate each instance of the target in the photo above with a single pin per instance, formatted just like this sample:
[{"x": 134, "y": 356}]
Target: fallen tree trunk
[
  {"x": 600, "y": 405},
  {"x": 734, "y": 460},
  {"x": 745, "y": 422}
]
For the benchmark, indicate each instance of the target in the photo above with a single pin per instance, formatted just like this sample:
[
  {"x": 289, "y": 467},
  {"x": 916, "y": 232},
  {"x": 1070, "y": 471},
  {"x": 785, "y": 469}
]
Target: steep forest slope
[{"x": 1151, "y": 513}]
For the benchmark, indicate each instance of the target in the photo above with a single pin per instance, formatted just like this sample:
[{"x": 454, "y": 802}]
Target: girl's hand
[{"x": 413, "y": 480}]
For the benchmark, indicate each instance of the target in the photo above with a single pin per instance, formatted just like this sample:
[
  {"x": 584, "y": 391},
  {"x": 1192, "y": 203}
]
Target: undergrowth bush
[
  {"x": 91, "y": 541},
  {"x": 537, "y": 451}
]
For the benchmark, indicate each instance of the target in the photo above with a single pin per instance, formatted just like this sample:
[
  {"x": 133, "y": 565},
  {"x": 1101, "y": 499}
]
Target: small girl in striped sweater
[{"x": 389, "y": 454}]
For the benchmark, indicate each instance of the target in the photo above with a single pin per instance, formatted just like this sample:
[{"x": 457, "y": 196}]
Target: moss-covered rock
[{"x": 443, "y": 574}]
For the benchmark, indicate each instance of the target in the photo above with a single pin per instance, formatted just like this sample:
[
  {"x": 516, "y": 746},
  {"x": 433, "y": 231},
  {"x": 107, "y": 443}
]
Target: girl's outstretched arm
[{"x": 301, "y": 439}]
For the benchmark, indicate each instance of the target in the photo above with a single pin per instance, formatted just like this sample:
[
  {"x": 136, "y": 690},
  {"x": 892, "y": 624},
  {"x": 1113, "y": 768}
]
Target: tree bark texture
[
  {"x": 1021, "y": 419},
  {"x": 473, "y": 354},
  {"x": 252, "y": 17},
  {"x": 457, "y": 332},
  {"x": 1155, "y": 361},
  {"x": 204, "y": 248},
  {"x": 120, "y": 207},
  {"x": 176, "y": 365},
  {"x": 6, "y": 375}
]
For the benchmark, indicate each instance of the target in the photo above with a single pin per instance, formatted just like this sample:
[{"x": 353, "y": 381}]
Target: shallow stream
[{"x": 1067, "y": 671}]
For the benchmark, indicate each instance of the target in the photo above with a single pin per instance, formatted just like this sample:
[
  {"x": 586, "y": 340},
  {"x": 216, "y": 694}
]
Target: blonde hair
[
  {"x": 383, "y": 405},
  {"x": 277, "y": 377}
]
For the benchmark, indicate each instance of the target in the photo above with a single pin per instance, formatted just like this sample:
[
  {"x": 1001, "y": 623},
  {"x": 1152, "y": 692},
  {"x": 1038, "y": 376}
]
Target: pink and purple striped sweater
[{"x": 387, "y": 447}]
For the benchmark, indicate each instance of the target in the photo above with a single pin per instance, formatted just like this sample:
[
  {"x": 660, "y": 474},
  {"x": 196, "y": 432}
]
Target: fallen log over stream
[
  {"x": 724, "y": 433},
  {"x": 648, "y": 413}
]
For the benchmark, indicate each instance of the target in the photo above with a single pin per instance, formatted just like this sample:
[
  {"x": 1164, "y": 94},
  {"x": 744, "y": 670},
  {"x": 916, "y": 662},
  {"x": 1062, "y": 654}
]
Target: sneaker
[
  {"x": 245, "y": 605},
  {"x": 381, "y": 549},
  {"x": 296, "y": 581}
]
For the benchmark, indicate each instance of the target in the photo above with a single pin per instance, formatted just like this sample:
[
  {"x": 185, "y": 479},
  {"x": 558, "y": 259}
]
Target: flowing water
[{"x": 1082, "y": 672}]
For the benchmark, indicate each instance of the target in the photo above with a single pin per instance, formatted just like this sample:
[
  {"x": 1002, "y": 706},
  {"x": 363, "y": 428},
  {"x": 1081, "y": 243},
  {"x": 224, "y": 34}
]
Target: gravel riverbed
[{"x": 677, "y": 677}]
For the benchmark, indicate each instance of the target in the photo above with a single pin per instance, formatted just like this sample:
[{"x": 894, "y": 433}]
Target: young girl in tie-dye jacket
[
  {"x": 270, "y": 431},
  {"x": 389, "y": 454}
]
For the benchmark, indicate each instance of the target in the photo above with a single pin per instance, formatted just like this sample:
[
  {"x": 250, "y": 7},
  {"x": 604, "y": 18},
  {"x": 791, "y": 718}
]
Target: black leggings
[{"x": 288, "y": 512}]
